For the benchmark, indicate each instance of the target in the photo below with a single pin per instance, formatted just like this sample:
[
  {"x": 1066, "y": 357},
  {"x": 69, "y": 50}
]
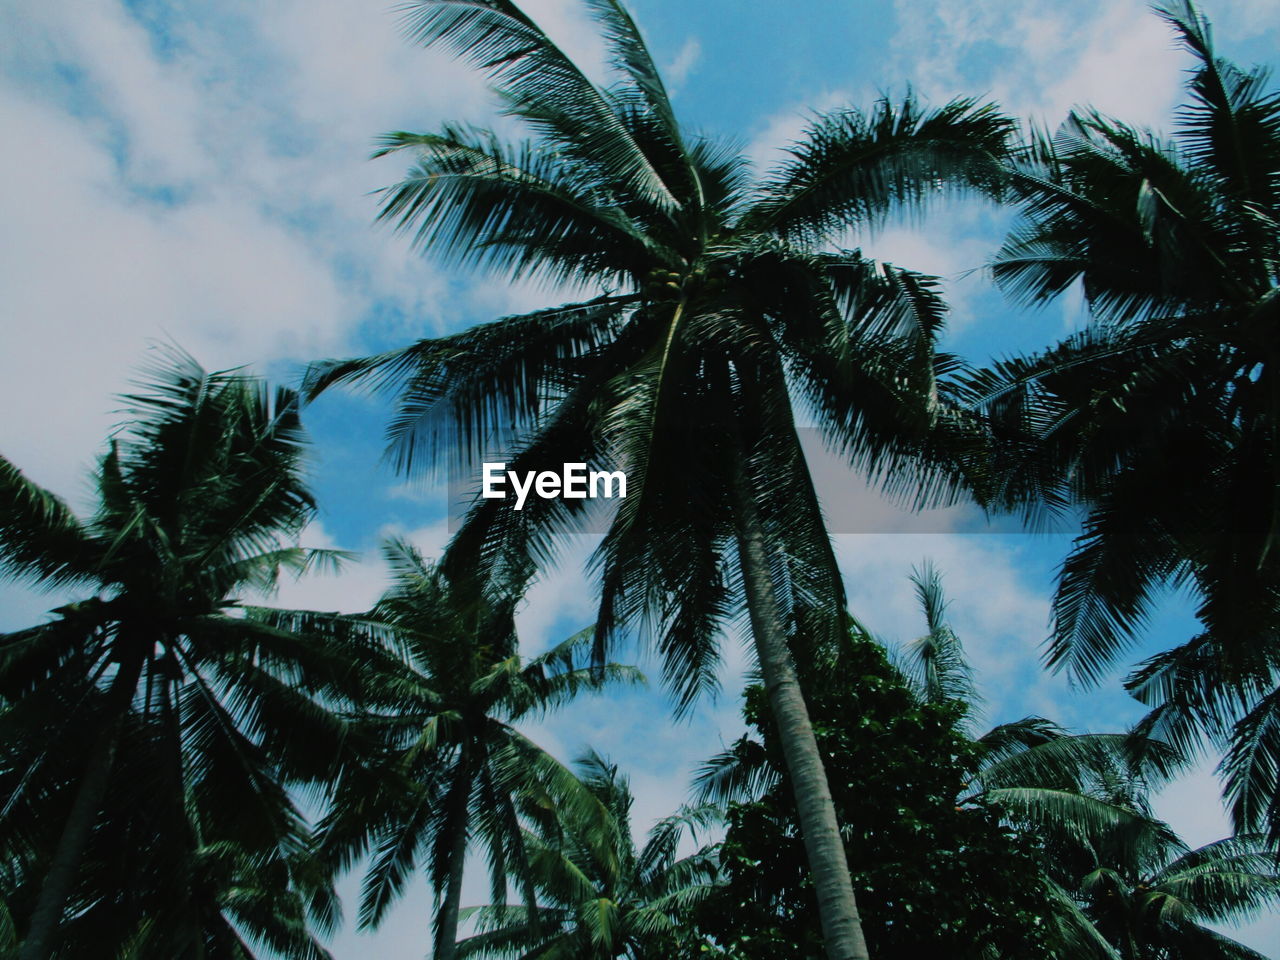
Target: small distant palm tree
[
  {"x": 149, "y": 730},
  {"x": 1033, "y": 757},
  {"x": 1162, "y": 419},
  {"x": 1122, "y": 885},
  {"x": 724, "y": 302},
  {"x": 446, "y": 764},
  {"x": 599, "y": 896},
  {"x": 1127, "y": 888}
]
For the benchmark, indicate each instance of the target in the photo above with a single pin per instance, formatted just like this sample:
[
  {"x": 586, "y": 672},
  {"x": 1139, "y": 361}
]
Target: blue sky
[{"x": 198, "y": 171}]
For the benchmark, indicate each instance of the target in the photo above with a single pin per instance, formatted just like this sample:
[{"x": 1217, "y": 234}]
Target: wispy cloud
[
  {"x": 776, "y": 133},
  {"x": 198, "y": 176},
  {"x": 682, "y": 65},
  {"x": 1038, "y": 58}
]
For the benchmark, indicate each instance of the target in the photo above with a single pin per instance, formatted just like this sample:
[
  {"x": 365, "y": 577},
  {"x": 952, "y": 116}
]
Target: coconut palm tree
[
  {"x": 1123, "y": 885},
  {"x": 722, "y": 311},
  {"x": 157, "y": 701},
  {"x": 1160, "y": 419},
  {"x": 1141, "y": 892},
  {"x": 599, "y": 895},
  {"x": 450, "y": 765}
]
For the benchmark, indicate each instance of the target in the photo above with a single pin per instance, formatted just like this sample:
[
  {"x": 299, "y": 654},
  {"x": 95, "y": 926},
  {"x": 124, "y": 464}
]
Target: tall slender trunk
[
  {"x": 837, "y": 907},
  {"x": 446, "y": 946},
  {"x": 58, "y": 882}
]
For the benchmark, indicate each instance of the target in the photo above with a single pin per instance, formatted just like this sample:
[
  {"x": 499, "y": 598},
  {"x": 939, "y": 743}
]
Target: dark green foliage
[
  {"x": 601, "y": 896},
  {"x": 934, "y": 877},
  {"x": 445, "y": 770},
  {"x": 150, "y": 731},
  {"x": 1162, "y": 419}
]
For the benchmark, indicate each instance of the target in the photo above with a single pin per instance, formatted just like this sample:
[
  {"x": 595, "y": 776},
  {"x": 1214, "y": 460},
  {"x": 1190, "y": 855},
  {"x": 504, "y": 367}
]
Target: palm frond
[
  {"x": 41, "y": 540},
  {"x": 1232, "y": 125},
  {"x": 1251, "y": 768},
  {"x": 539, "y": 83},
  {"x": 935, "y": 661},
  {"x": 852, "y": 168}
]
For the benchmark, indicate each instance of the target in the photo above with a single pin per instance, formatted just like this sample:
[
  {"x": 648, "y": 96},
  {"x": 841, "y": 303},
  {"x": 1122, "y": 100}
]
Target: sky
[{"x": 199, "y": 173}]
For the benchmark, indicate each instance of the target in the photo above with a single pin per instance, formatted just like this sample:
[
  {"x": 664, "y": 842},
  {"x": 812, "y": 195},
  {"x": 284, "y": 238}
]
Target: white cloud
[
  {"x": 21, "y": 607},
  {"x": 682, "y": 64},
  {"x": 999, "y": 614},
  {"x": 561, "y": 600},
  {"x": 776, "y": 133},
  {"x": 97, "y": 274},
  {"x": 139, "y": 215},
  {"x": 1244, "y": 19},
  {"x": 203, "y": 181},
  {"x": 1038, "y": 58}
]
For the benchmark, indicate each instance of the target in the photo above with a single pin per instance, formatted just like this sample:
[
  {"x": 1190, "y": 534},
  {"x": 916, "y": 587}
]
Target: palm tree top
[
  {"x": 160, "y": 700},
  {"x": 615, "y": 160},
  {"x": 1159, "y": 227},
  {"x": 172, "y": 523},
  {"x": 600, "y": 894}
]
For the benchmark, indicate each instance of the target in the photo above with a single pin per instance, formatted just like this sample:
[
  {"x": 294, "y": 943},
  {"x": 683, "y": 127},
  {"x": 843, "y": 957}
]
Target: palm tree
[
  {"x": 723, "y": 304},
  {"x": 1160, "y": 419},
  {"x": 1127, "y": 888},
  {"x": 450, "y": 763},
  {"x": 157, "y": 701},
  {"x": 1124, "y": 886},
  {"x": 601, "y": 897}
]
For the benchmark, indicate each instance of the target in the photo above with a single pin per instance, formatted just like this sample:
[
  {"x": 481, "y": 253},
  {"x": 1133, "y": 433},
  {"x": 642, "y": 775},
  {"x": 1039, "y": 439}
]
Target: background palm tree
[
  {"x": 1128, "y": 888},
  {"x": 447, "y": 763},
  {"x": 157, "y": 704},
  {"x": 1161, "y": 419},
  {"x": 1119, "y": 882},
  {"x": 599, "y": 895},
  {"x": 720, "y": 299},
  {"x": 1123, "y": 884}
]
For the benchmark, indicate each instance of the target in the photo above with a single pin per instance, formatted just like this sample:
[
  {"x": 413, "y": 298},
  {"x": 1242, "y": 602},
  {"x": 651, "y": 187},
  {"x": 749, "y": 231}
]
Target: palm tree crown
[
  {"x": 445, "y": 761},
  {"x": 158, "y": 701},
  {"x": 1162, "y": 417},
  {"x": 724, "y": 301},
  {"x": 723, "y": 305},
  {"x": 599, "y": 895}
]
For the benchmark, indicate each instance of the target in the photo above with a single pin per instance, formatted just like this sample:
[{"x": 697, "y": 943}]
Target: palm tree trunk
[
  {"x": 47, "y": 916},
  {"x": 446, "y": 947},
  {"x": 837, "y": 907}
]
